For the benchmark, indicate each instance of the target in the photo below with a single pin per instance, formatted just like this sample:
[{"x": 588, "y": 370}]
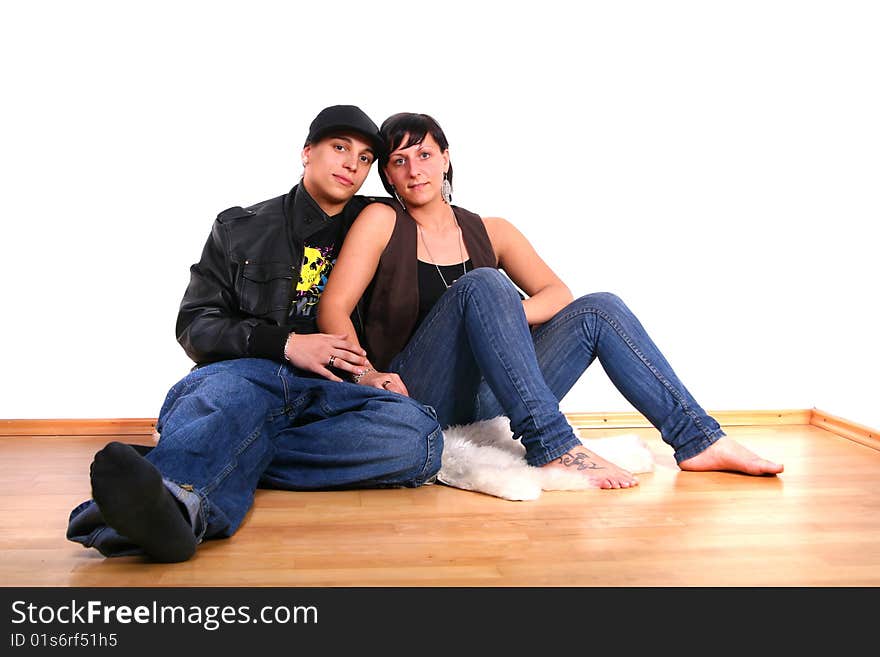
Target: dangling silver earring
[
  {"x": 446, "y": 190},
  {"x": 397, "y": 196}
]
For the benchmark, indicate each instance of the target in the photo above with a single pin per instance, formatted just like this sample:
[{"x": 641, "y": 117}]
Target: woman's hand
[
  {"x": 385, "y": 380},
  {"x": 318, "y": 352}
]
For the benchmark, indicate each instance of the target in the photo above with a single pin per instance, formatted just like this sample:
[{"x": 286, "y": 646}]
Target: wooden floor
[{"x": 818, "y": 524}]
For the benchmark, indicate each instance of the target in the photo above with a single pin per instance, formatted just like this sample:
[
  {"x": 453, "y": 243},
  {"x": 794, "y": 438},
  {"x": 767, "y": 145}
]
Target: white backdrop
[{"x": 714, "y": 163}]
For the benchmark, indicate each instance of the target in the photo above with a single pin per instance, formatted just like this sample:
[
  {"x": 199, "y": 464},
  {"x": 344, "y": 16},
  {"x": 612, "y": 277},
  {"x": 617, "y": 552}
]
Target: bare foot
[
  {"x": 602, "y": 473},
  {"x": 728, "y": 455}
]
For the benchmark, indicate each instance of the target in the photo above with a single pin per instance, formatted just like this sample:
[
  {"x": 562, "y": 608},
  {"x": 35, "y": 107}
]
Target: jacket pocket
[{"x": 264, "y": 288}]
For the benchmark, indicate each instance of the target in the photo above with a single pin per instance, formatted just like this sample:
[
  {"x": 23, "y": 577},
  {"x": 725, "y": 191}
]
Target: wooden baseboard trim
[
  {"x": 846, "y": 428},
  {"x": 75, "y": 427},
  {"x": 725, "y": 419},
  {"x": 145, "y": 426}
]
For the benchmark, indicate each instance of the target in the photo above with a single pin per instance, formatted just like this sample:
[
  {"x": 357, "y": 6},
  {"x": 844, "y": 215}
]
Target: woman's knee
[
  {"x": 606, "y": 303},
  {"x": 489, "y": 281}
]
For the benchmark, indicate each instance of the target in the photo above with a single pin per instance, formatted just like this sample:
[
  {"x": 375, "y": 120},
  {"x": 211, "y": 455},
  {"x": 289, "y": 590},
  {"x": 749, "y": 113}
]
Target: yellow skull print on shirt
[
  {"x": 312, "y": 267},
  {"x": 313, "y": 275}
]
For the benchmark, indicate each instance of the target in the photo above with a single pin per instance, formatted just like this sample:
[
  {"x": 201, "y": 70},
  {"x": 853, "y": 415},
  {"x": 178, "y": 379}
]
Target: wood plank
[{"x": 814, "y": 525}]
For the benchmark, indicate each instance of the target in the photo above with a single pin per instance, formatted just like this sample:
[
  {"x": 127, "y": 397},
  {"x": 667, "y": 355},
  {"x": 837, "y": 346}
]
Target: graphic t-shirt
[{"x": 319, "y": 256}]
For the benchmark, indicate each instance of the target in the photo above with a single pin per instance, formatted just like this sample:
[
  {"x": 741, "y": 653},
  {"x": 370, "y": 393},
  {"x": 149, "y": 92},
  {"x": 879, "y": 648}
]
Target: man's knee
[
  {"x": 225, "y": 395},
  {"x": 244, "y": 378}
]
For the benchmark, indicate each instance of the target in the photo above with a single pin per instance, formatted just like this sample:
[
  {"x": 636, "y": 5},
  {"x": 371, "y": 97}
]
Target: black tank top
[{"x": 432, "y": 286}]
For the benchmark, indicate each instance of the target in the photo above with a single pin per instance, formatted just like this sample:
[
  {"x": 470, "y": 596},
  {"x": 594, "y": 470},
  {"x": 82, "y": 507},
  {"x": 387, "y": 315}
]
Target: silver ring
[
  {"x": 330, "y": 362},
  {"x": 385, "y": 384}
]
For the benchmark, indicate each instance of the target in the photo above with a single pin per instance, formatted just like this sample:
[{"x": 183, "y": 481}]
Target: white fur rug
[{"x": 484, "y": 457}]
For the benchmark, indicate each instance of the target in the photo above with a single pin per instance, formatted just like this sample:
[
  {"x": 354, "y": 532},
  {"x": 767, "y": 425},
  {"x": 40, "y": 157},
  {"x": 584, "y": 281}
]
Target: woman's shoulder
[
  {"x": 492, "y": 222},
  {"x": 495, "y": 221},
  {"x": 505, "y": 237},
  {"x": 372, "y": 227},
  {"x": 376, "y": 217},
  {"x": 497, "y": 227},
  {"x": 379, "y": 208}
]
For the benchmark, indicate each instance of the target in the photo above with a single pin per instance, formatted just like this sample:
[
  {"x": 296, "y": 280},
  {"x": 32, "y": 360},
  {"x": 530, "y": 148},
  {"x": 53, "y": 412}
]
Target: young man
[{"x": 266, "y": 404}]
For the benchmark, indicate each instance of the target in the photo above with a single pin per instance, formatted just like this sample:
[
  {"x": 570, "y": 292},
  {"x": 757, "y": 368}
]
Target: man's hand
[
  {"x": 313, "y": 352},
  {"x": 386, "y": 380}
]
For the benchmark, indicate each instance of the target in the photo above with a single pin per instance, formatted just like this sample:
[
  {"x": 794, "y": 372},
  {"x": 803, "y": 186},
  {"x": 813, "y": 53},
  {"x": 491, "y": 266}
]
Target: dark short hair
[{"x": 396, "y": 128}]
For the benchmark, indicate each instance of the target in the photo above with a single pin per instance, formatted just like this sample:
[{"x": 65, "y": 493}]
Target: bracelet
[
  {"x": 360, "y": 375},
  {"x": 286, "y": 343}
]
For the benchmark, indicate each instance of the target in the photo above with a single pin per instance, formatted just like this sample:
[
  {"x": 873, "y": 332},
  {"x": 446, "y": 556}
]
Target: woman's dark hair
[{"x": 396, "y": 127}]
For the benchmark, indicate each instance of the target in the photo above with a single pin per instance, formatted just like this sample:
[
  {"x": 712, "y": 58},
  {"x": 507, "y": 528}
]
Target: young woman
[{"x": 445, "y": 326}]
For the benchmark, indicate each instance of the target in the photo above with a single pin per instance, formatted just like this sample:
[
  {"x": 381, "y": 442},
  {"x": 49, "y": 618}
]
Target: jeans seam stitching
[
  {"x": 686, "y": 409},
  {"x": 517, "y": 383},
  {"x": 432, "y": 449},
  {"x": 230, "y": 466}
]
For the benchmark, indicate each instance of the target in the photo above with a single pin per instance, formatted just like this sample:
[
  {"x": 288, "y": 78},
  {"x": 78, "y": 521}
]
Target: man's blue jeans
[
  {"x": 230, "y": 427},
  {"x": 474, "y": 357}
]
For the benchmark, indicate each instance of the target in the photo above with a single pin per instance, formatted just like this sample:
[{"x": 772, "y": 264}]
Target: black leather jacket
[{"x": 240, "y": 291}]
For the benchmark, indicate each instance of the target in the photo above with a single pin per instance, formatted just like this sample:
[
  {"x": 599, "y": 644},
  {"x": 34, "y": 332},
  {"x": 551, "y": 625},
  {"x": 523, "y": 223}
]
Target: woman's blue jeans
[
  {"x": 474, "y": 357},
  {"x": 230, "y": 427}
]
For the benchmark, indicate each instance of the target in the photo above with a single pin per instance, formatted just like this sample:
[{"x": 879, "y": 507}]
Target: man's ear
[{"x": 305, "y": 154}]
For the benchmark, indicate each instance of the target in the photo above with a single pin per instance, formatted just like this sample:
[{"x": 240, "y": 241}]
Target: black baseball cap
[{"x": 344, "y": 118}]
